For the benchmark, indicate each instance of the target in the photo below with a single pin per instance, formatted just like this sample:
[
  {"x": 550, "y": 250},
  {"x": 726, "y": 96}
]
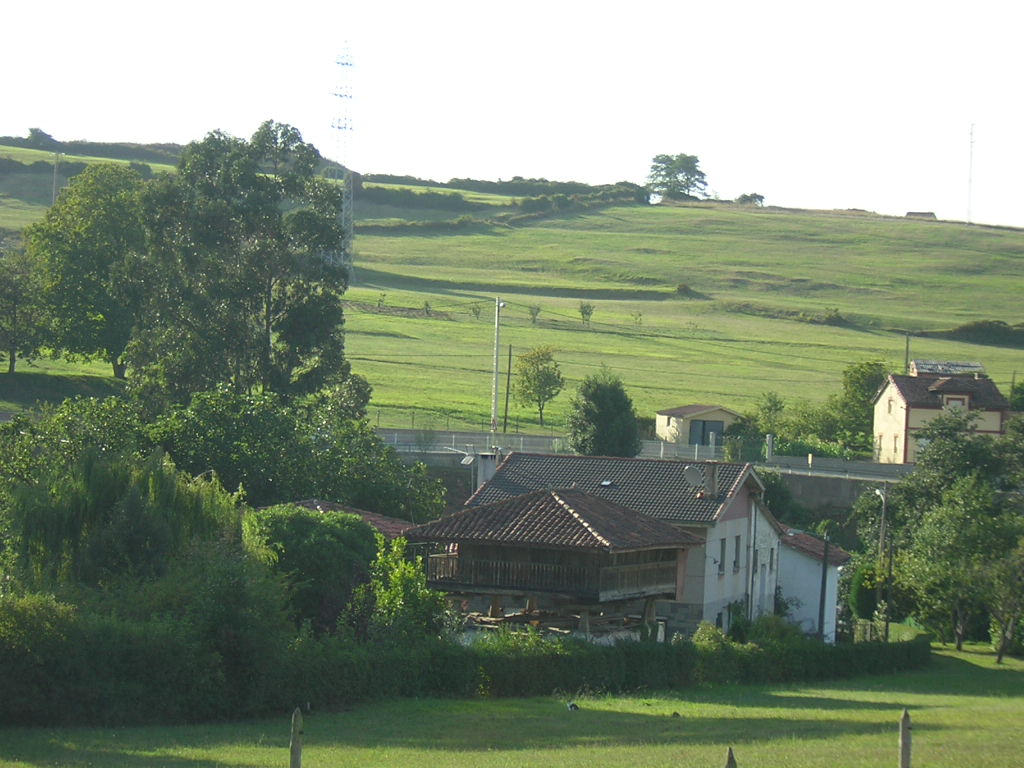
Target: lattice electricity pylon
[{"x": 342, "y": 131}]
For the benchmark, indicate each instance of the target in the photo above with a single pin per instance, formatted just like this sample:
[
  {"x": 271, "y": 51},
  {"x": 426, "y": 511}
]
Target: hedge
[{"x": 61, "y": 665}]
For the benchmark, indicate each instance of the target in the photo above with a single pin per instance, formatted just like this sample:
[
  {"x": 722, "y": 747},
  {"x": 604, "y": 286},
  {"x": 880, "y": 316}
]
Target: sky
[{"x": 822, "y": 105}]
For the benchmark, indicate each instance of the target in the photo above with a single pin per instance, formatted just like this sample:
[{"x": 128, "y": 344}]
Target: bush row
[{"x": 64, "y": 665}]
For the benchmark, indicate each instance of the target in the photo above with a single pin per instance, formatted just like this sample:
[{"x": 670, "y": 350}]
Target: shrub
[
  {"x": 863, "y": 592},
  {"x": 62, "y": 664},
  {"x": 773, "y": 629}
]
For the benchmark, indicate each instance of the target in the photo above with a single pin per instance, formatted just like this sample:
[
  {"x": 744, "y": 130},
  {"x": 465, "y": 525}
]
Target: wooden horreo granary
[{"x": 566, "y": 547}]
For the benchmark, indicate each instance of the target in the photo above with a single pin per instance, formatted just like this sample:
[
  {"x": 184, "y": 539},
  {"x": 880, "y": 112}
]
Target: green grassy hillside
[
  {"x": 707, "y": 303},
  {"x": 704, "y": 302}
]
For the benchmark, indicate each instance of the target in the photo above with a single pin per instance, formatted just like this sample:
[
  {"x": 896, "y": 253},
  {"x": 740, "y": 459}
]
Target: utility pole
[
  {"x": 882, "y": 533},
  {"x": 498, "y": 304},
  {"x": 508, "y": 387}
]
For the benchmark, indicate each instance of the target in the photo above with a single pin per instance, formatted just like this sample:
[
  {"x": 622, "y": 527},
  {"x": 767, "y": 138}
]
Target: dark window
[{"x": 701, "y": 431}]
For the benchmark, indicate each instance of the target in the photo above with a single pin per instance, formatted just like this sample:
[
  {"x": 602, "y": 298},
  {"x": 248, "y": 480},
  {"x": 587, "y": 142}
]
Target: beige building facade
[
  {"x": 694, "y": 424},
  {"x": 905, "y": 404}
]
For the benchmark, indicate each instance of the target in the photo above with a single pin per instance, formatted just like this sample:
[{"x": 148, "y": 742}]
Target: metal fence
[{"x": 473, "y": 442}]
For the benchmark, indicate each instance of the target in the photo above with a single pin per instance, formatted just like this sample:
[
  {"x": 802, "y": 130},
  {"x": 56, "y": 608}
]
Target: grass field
[
  {"x": 697, "y": 303},
  {"x": 52, "y": 381},
  {"x": 753, "y": 278},
  {"x": 965, "y": 710}
]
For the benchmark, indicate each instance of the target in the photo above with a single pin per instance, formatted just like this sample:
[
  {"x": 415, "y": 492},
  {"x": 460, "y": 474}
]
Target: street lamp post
[{"x": 882, "y": 537}]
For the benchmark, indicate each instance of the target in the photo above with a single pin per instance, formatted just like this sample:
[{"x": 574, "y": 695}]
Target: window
[
  {"x": 955, "y": 402},
  {"x": 771, "y": 559},
  {"x": 701, "y": 431},
  {"x": 890, "y": 405},
  {"x": 721, "y": 557},
  {"x": 736, "y": 560}
]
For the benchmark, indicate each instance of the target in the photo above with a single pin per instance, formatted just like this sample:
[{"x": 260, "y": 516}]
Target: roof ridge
[{"x": 579, "y": 518}]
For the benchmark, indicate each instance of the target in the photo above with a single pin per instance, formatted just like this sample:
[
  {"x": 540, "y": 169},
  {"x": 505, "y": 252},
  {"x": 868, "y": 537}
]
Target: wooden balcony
[{"x": 595, "y": 583}]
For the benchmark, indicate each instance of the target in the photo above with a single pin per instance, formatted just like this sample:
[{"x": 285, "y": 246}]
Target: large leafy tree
[
  {"x": 244, "y": 288},
  {"x": 23, "y": 318},
  {"x": 676, "y": 177},
  {"x": 538, "y": 379},
  {"x": 323, "y": 556},
  {"x": 279, "y": 453},
  {"x": 1005, "y": 597},
  {"x": 85, "y": 243},
  {"x": 953, "y": 521},
  {"x": 249, "y": 441},
  {"x": 601, "y": 419},
  {"x": 954, "y": 546}
]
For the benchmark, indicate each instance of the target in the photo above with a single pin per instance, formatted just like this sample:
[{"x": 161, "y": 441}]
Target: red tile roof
[
  {"x": 558, "y": 519},
  {"x": 391, "y": 527},
  {"x": 812, "y": 546},
  {"x": 926, "y": 391}
]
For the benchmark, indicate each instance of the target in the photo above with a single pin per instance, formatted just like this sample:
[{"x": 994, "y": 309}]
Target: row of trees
[
  {"x": 841, "y": 426},
  {"x": 601, "y": 420},
  {"x": 221, "y": 272},
  {"x": 951, "y": 534}
]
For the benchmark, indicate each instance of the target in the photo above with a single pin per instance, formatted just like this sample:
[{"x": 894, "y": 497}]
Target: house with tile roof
[
  {"x": 694, "y": 424},
  {"x": 905, "y": 404},
  {"x": 799, "y": 563},
  {"x": 719, "y": 503},
  {"x": 567, "y": 548}
]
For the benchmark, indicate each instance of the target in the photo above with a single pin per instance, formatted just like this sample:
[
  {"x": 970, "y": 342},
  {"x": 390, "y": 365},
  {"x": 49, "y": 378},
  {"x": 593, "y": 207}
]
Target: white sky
[{"x": 811, "y": 104}]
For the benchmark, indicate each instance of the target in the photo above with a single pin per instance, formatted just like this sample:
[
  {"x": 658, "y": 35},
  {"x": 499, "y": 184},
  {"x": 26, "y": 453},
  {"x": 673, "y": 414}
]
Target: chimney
[{"x": 711, "y": 479}]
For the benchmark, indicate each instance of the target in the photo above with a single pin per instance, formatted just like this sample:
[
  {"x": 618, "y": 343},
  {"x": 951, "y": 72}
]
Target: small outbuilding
[{"x": 694, "y": 424}]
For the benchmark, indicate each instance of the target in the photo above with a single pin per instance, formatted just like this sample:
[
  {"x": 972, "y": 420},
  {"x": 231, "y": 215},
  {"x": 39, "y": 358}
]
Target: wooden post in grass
[
  {"x": 730, "y": 759},
  {"x": 905, "y": 740},
  {"x": 296, "y": 742}
]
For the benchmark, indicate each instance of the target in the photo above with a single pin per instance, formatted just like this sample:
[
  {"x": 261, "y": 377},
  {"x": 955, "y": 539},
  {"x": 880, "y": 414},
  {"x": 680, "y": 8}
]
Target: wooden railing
[
  {"x": 507, "y": 574},
  {"x": 625, "y": 580},
  {"x": 607, "y": 582}
]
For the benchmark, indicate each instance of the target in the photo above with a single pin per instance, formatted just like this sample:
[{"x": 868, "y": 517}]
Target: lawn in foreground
[{"x": 965, "y": 711}]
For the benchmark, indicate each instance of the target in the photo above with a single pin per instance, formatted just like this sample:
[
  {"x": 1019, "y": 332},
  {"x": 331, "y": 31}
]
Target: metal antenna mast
[
  {"x": 342, "y": 125},
  {"x": 970, "y": 178}
]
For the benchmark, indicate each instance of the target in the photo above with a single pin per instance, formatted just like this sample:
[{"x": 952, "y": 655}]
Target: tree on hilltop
[{"x": 676, "y": 177}]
